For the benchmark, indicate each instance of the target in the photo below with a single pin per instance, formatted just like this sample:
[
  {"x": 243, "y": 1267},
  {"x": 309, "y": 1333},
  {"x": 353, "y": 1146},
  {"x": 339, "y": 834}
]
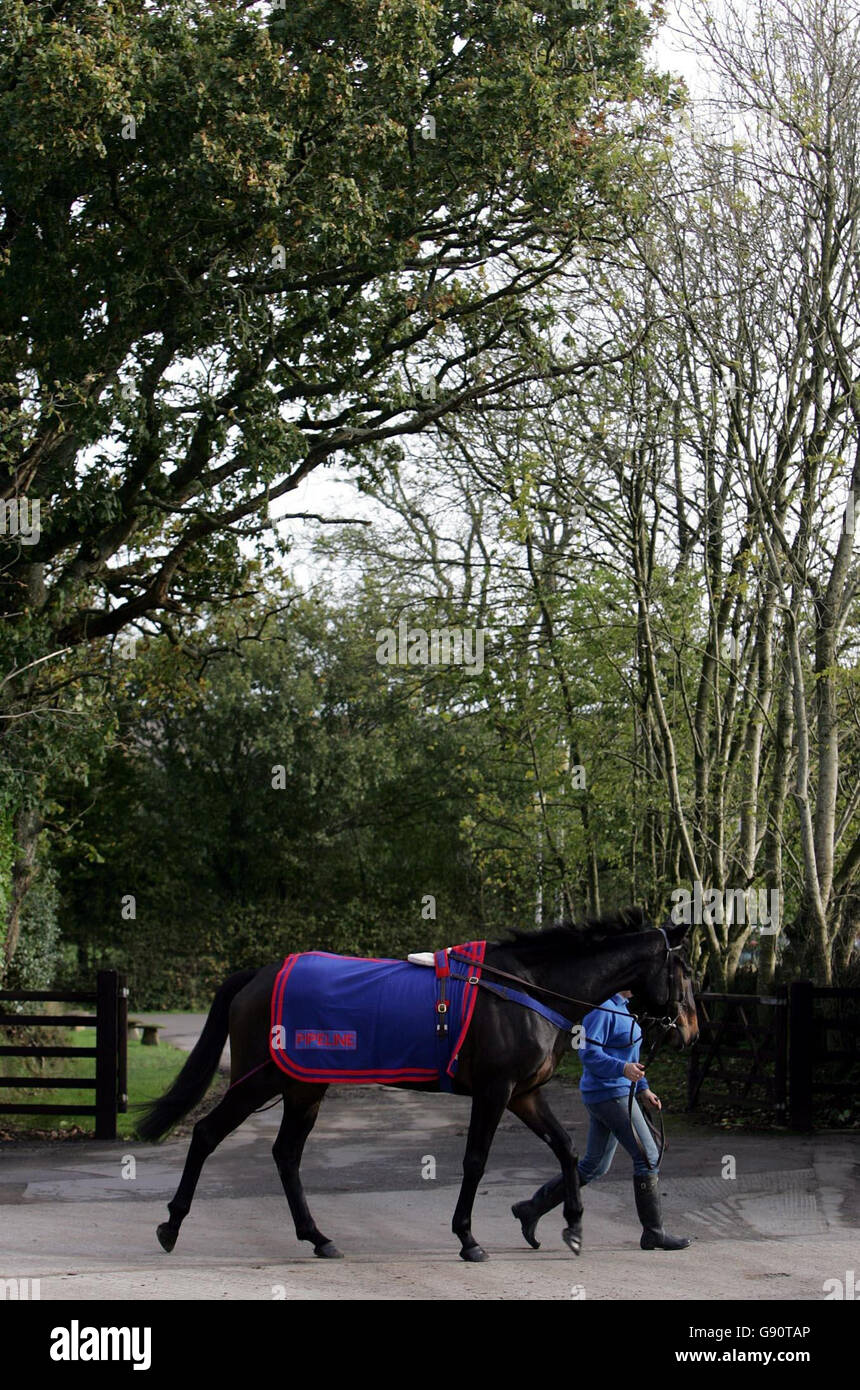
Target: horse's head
[{"x": 666, "y": 987}]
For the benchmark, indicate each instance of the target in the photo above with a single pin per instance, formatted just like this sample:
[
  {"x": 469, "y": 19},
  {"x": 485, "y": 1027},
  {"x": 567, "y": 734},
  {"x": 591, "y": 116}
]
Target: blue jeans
[{"x": 610, "y": 1126}]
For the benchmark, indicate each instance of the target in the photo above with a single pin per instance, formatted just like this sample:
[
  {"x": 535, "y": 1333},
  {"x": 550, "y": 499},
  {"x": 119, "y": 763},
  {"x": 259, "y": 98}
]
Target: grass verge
[{"x": 150, "y": 1071}]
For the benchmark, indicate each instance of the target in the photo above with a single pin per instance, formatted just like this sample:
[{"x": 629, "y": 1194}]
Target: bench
[{"x": 150, "y": 1031}]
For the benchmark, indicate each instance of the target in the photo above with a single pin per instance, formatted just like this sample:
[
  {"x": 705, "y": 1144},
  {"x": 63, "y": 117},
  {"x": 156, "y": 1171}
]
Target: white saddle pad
[{"x": 423, "y": 957}]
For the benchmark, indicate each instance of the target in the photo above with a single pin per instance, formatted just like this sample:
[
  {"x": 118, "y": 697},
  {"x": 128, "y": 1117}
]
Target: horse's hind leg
[
  {"x": 240, "y": 1101},
  {"x": 301, "y": 1107}
]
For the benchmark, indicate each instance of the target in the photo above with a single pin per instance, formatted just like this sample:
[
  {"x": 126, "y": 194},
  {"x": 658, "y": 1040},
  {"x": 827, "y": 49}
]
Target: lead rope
[{"x": 668, "y": 1025}]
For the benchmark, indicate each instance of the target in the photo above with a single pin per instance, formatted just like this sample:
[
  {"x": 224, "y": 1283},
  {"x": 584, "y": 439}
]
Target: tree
[
  {"x": 228, "y": 245},
  {"x": 763, "y": 279},
  {"x": 276, "y": 791},
  {"x": 235, "y": 246},
  {"x": 712, "y": 456}
]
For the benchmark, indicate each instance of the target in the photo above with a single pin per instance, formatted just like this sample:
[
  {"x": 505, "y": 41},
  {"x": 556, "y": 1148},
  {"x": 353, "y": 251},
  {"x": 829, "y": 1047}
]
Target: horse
[{"x": 508, "y": 1056}]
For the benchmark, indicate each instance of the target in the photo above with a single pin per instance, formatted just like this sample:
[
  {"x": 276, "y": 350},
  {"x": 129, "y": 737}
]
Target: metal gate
[{"x": 787, "y": 1051}]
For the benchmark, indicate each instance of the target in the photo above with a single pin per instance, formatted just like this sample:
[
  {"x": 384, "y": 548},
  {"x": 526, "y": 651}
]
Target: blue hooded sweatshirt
[{"x": 603, "y": 1058}]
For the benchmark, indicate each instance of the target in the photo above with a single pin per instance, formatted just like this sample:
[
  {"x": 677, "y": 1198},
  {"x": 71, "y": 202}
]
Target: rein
[
  {"x": 666, "y": 1022},
  {"x": 542, "y": 989}
]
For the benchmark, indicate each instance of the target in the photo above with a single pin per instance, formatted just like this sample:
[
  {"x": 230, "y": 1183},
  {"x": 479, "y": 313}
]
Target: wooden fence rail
[{"x": 110, "y": 1082}]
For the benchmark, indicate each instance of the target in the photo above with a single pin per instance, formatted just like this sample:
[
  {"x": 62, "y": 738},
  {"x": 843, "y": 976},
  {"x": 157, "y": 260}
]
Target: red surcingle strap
[{"x": 443, "y": 972}]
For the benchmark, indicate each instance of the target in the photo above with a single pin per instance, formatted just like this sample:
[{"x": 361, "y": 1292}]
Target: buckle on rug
[{"x": 441, "y": 1000}]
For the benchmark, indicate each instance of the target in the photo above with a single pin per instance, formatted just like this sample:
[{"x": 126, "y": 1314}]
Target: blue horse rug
[{"x": 346, "y": 1019}]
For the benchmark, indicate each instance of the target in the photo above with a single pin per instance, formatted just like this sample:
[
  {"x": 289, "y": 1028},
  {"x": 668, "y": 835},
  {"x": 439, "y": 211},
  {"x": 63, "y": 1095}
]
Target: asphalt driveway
[{"x": 382, "y": 1170}]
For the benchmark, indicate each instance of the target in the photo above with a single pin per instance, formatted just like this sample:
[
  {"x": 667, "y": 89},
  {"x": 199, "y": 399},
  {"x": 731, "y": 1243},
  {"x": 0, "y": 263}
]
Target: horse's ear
[{"x": 676, "y": 932}]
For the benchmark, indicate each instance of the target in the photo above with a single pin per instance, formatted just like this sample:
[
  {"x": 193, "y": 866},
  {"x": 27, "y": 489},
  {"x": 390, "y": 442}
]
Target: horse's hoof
[
  {"x": 573, "y": 1239},
  {"x": 328, "y": 1251},
  {"x": 474, "y": 1254},
  {"x": 166, "y": 1236}
]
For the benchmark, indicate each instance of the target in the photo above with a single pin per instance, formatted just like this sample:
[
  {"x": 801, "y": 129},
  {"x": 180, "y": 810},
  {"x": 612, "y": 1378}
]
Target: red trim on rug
[
  {"x": 441, "y": 963},
  {"x": 379, "y": 1078},
  {"x": 470, "y": 994},
  {"x": 299, "y": 1073}
]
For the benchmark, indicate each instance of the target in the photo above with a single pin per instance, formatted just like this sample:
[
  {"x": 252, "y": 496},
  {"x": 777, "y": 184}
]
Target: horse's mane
[{"x": 573, "y": 938}]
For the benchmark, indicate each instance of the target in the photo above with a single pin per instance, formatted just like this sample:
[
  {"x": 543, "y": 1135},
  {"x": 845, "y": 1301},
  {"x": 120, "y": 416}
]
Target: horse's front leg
[
  {"x": 533, "y": 1109},
  {"x": 488, "y": 1106}
]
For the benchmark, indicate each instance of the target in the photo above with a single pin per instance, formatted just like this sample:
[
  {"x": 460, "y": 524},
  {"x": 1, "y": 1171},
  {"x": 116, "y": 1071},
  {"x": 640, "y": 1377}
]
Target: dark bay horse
[{"x": 509, "y": 1054}]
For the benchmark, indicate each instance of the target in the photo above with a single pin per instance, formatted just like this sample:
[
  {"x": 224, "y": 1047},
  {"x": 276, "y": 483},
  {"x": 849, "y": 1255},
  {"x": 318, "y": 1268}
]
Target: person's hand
[
  {"x": 634, "y": 1071},
  {"x": 650, "y": 1097}
]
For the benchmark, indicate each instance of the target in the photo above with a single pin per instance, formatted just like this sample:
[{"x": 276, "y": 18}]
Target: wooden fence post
[
  {"x": 122, "y": 1045},
  {"x": 780, "y": 1055},
  {"x": 693, "y": 1078},
  {"x": 800, "y": 1044},
  {"x": 107, "y": 1054}
]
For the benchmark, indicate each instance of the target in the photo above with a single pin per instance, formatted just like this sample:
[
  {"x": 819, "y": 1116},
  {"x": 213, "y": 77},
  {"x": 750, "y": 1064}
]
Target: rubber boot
[
  {"x": 647, "y": 1191},
  {"x": 529, "y": 1213}
]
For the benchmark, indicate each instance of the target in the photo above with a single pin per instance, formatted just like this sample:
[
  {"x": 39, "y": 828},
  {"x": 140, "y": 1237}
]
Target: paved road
[{"x": 787, "y": 1222}]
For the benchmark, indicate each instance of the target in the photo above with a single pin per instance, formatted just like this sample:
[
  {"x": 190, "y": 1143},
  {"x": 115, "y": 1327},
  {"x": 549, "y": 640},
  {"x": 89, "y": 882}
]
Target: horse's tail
[{"x": 193, "y": 1081}]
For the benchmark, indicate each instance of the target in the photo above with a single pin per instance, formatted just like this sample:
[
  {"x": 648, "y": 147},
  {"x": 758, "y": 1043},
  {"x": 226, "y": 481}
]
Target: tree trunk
[{"x": 27, "y": 828}]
